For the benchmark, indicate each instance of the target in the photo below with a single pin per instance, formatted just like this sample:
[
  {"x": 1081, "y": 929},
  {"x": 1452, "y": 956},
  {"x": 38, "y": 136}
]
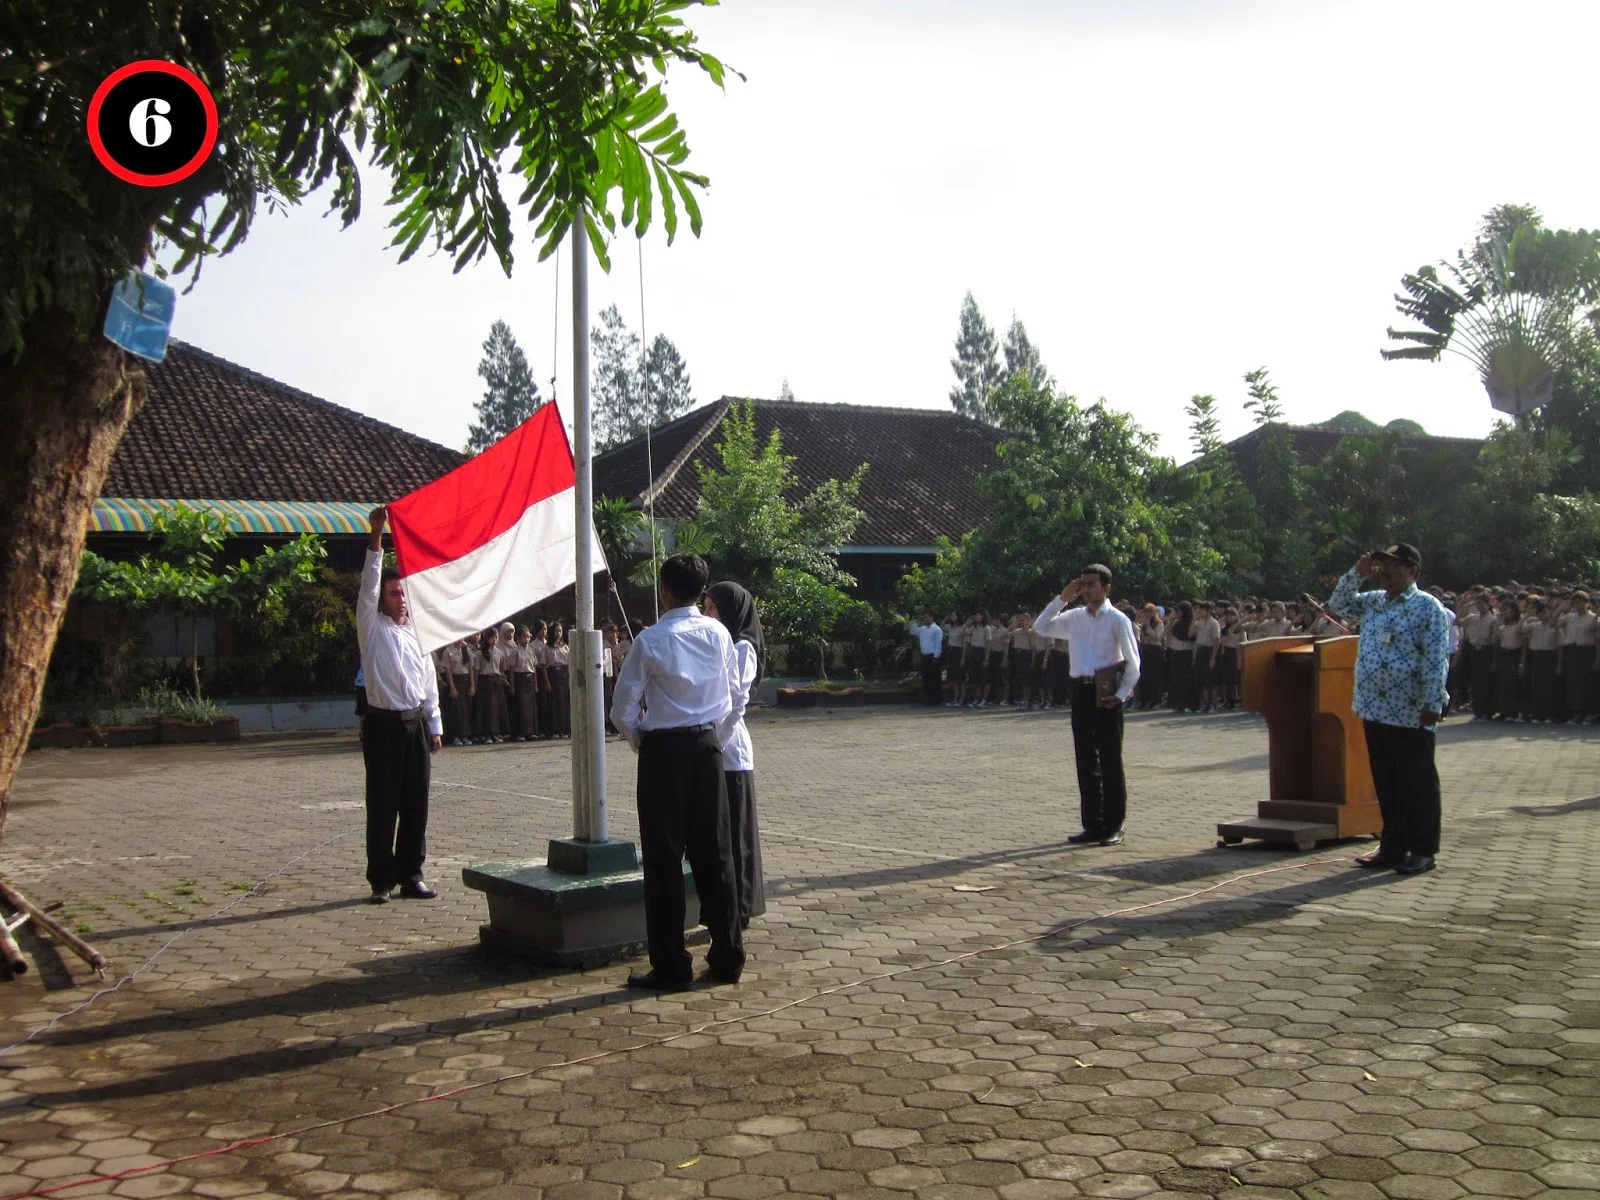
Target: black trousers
[
  {"x": 1482, "y": 680},
  {"x": 744, "y": 835},
  {"x": 394, "y": 747},
  {"x": 1097, "y": 741},
  {"x": 683, "y": 810},
  {"x": 931, "y": 685},
  {"x": 525, "y": 709},
  {"x": 1407, "y": 783}
]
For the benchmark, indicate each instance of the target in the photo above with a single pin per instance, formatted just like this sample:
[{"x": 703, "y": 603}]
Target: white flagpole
[{"x": 588, "y": 695}]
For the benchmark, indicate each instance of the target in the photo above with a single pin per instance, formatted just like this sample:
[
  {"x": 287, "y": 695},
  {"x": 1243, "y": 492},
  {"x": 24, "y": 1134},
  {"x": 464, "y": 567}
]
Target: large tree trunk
[{"x": 64, "y": 406}]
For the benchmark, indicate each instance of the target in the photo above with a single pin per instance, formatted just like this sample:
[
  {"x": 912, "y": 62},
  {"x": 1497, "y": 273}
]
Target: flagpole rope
[{"x": 649, "y": 459}]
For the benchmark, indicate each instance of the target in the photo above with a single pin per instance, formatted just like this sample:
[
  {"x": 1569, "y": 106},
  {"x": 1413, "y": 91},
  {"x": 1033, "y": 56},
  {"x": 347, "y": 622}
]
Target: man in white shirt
[
  {"x": 930, "y": 642},
  {"x": 1099, "y": 639},
  {"x": 677, "y": 699},
  {"x": 402, "y": 728}
]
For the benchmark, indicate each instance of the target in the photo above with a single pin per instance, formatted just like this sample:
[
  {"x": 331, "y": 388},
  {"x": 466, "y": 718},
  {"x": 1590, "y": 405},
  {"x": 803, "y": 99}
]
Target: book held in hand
[{"x": 1107, "y": 680}]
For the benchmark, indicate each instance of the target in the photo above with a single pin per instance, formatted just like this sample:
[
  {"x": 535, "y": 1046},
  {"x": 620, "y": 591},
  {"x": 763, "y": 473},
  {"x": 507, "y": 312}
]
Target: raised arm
[{"x": 1348, "y": 600}]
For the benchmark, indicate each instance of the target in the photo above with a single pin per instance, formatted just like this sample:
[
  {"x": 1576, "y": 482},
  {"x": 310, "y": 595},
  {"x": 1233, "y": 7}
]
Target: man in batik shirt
[{"x": 1400, "y": 694}]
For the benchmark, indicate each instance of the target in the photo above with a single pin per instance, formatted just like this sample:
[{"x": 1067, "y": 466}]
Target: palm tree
[{"x": 1510, "y": 307}]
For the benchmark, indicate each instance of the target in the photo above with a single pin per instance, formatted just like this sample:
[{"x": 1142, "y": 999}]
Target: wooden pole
[
  {"x": 12, "y": 963},
  {"x": 42, "y": 920}
]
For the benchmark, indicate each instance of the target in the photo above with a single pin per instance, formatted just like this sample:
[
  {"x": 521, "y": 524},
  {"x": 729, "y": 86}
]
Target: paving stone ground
[{"x": 1317, "y": 1032}]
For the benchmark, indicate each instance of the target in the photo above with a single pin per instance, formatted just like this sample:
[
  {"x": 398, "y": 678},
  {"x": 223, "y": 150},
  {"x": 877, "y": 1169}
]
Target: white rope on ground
[{"x": 650, "y": 1043}]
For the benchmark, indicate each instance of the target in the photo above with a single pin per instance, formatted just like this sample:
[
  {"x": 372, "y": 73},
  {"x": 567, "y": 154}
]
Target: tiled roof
[
  {"x": 212, "y": 429},
  {"x": 1313, "y": 443},
  {"x": 922, "y": 474}
]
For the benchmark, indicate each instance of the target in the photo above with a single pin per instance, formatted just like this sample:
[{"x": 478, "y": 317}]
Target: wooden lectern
[{"x": 1321, "y": 781}]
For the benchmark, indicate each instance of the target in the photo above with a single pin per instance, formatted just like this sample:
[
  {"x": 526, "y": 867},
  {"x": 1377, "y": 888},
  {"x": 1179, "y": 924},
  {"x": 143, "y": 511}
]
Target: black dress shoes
[
  {"x": 1377, "y": 859},
  {"x": 1112, "y": 839},
  {"x": 415, "y": 889},
  {"x": 649, "y": 981},
  {"x": 1084, "y": 838},
  {"x": 1416, "y": 864},
  {"x": 714, "y": 977}
]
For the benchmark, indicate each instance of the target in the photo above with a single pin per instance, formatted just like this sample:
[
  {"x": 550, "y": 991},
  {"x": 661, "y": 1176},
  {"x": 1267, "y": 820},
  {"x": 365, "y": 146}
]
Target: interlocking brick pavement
[{"x": 1317, "y": 1032}]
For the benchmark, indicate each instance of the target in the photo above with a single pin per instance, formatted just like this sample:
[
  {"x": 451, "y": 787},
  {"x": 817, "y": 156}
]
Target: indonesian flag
[{"x": 493, "y": 536}]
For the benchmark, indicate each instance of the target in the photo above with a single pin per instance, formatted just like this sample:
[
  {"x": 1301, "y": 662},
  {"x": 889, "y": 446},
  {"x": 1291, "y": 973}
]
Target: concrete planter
[
  {"x": 223, "y": 729},
  {"x": 128, "y": 735}
]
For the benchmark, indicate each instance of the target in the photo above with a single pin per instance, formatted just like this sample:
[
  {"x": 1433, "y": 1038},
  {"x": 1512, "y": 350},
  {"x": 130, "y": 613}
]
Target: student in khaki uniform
[
  {"x": 1544, "y": 648},
  {"x": 491, "y": 719},
  {"x": 972, "y": 666},
  {"x": 1276, "y": 625},
  {"x": 955, "y": 648},
  {"x": 1207, "y": 648},
  {"x": 1510, "y": 661},
  {"x": 1021, "y": 666},
  {"x": 522, "y": 664},
  {"x": 456, "y": 663},
  {"x": 1233, "y": 635},
  {"x": 1580, "y": 670},
  {"x": 1478, "y": 631},
  {"x": 994, "y": 663}
]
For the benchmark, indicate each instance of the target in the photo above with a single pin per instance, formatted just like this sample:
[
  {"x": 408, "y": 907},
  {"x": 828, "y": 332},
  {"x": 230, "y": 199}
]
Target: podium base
[{"x": 1302, "y": 835}]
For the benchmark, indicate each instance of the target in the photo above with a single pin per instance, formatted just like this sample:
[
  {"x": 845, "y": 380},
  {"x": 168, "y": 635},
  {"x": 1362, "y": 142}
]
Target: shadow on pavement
[
  {"x": 1220, "y": 915},
  {"x": 799, "y": 885},
  {"x": 299, "y": 910},
  {"x": 1591, "y": 804}
]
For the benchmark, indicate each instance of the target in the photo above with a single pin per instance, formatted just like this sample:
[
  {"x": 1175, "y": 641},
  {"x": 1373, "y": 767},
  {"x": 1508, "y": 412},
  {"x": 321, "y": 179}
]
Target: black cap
[{"x": 1403, "y": 553}]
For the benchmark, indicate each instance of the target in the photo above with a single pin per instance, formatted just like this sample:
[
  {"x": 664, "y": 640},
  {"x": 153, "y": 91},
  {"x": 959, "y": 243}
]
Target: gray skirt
[{"x": 745, "y": 834}]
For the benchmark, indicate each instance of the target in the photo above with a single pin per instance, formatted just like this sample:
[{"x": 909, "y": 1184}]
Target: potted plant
[{"x": 183, "y": 718}]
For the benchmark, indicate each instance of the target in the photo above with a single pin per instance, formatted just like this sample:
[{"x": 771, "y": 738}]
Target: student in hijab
[{"x": 736, "y": 609}]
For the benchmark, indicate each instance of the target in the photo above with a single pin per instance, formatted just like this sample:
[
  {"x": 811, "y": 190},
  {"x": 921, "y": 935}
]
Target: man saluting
[
  {"x": 402, "y": 729},
  {"x": 1104, "y": 658},
  {"x": 1401, "y": 665}
]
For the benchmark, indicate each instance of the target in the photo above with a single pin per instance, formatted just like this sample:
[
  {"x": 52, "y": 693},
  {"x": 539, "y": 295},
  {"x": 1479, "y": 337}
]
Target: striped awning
[{"x": 288, "y": 517}]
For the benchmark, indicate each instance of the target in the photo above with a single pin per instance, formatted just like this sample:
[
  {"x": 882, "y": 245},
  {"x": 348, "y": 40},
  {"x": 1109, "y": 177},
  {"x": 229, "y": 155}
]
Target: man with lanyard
[
  {"x": 402, "y": 728},
  {"x": 677, "y": 700},
  {"x": 930, "y": 641},
  {"x": 1099, "y": 639},
  {"x": 1400, "y": 694}
]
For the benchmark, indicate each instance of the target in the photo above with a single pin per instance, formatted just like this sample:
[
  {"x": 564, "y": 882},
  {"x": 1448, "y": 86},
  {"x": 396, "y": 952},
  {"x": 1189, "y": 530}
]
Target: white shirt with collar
[
  {"x": 737, "y": 752},
  {"x": 1096, "y": 639},
  {"x": 398, "y": 674},
  {"x": 684, "y": 672},
  {"x": 930, "y": 639}
]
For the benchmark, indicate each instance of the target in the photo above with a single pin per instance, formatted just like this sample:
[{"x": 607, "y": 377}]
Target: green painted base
[{"x": 562, "y": 918}]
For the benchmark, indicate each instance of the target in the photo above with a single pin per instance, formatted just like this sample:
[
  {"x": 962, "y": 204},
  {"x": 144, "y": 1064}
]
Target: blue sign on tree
[{"x": 140, "y": 317}]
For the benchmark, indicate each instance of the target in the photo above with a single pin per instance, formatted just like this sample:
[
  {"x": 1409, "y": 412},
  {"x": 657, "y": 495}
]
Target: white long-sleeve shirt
[
  {"x": 398, "y": 674},
  {"x": 737, "y": 752},
  {"x": 930, "y": 638},
  {"x": 1095, "y": 639},
  {"x": 684, "y": 672}
]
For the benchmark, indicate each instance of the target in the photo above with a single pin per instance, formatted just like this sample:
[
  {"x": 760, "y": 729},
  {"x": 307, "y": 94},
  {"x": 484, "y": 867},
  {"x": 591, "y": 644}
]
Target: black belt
[
  {"x": 396, "y": 714},
  {"x": 678, "y": 730}
]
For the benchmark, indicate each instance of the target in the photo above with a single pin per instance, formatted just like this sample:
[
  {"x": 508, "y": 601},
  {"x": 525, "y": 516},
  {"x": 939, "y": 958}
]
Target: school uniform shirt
[
  {"x": 1275, "y": 627},
  {"x": 1153, "y": 635},
  {"x": 683, "y": 670},
  {"x": 488, "y": 661},
  {"x": 608, "y": 662},
  {"x": 1578, "y": 629},
  {"x": 1543, "y": 636},
  {"x": 1231, "y": 638},
  {"x": 395, "y": 672},
  {"x": 978, "y": 639},
  {"x": 1207, "y": 633},
  {"x": 1401, "y": 662},
  {"x": 958, "y": 637},
  {"x": 1509, "y": 635},
  {"x": 560, "y": 656},
  {"x": 1479, "y": 629},
  {"x": 1455, "y": 632},
  {"x": 999, "y": 641},
  {"x": 455, "y": 659},
  {"x": 930, "y": 640},
  {"x": 519, "y": 659},
  {"x": 1095, "y": 639},
  {"x": 737, "y": 752}
]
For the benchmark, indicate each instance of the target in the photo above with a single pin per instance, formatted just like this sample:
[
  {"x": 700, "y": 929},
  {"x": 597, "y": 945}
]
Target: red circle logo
[{"x": 152, "y": 123}]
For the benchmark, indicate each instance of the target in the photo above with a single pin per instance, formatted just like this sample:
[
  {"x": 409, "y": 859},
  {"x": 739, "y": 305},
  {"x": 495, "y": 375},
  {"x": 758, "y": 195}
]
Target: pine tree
[
  {"x": 786, "y": 393},
  {"x": 510, "y": 395},
  {"x": 615, "y": 395},
  {"x": 668, "y": 393},
  {"x": 1288, "y": 554},
  {"x": 1022, "y": 355},
  {"x": 976, "y": 364}
]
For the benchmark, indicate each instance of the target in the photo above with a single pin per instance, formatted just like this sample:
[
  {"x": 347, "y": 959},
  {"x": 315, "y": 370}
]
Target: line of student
[
  {"x": 511, "y": 684},
  {"x": 1531, "y": 660}
]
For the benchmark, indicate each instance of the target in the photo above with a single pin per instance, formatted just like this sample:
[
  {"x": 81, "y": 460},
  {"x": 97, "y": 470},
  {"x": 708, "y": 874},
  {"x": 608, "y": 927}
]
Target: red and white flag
[{"x": 492, "y": 537}]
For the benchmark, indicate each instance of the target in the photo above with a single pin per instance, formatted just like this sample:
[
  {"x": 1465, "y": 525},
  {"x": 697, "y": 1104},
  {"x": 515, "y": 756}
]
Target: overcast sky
[{"x": 1167, "y": 192}]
